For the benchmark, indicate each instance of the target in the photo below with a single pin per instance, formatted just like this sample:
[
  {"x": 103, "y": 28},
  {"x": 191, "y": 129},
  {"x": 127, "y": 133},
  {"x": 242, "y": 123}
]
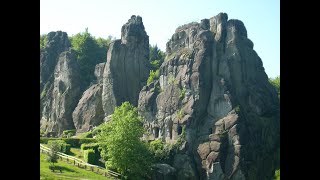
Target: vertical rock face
[
  {"x": 213, "y": 86},
  {"x": 89, "y": 111},
  {"x": 59, "y": 72},
  {"x": 126, "y": 70}
]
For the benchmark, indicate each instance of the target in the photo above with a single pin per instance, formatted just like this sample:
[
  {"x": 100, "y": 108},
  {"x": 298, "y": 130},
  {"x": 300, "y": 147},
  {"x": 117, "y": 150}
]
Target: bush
[
  {"x": 74, "y": 142},
  {"x": 63, "y": 146},
  {"x": 159, "y": 150},
  {"x": 41, "y": 133},
  {"x": 182, "y": 93},
  {"x": 86, "y": 135},
  {"x": 68, "y": 133},
  {"x": 89, "y": 156},
  {"x": 94, "y": 146},
  {"x": 153, "y": 76}
]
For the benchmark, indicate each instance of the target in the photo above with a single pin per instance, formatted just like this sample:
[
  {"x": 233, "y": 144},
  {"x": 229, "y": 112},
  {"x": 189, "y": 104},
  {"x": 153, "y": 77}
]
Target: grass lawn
[{"x": 69, "y": 171}]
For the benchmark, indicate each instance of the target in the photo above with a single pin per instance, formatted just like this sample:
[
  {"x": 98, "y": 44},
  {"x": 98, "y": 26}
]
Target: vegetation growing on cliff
[
  {"x": 90, "y": 51},
  {"x": 120, "y": 140}
]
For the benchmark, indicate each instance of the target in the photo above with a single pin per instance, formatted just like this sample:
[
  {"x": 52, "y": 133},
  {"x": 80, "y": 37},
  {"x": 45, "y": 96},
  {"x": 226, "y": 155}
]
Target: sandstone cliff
[
  {"x": 213, "y": 85},
  {"x": 126, "y": 70},
  {"x": 60, "y": 92}
]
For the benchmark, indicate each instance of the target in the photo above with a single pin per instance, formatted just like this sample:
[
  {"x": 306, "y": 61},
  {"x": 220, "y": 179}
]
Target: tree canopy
[
  {"x": 90, "y": 51},
  {"x": 276, "y": 83},
  {"x": 156, "y": 57},
  {"x": 120, "y": 141}
]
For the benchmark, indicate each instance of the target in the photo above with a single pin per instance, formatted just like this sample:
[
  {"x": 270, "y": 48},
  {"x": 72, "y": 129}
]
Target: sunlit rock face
[{"x": 213, "y": 86}]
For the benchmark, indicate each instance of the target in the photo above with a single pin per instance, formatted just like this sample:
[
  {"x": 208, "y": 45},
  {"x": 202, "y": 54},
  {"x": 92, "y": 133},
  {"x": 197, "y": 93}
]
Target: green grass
[
  {"x": 69, "y": 171},
  {"x": 76, "y": 152}
]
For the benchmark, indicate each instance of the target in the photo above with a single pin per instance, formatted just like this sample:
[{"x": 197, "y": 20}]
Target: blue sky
[{"x": 161, "y": 18}]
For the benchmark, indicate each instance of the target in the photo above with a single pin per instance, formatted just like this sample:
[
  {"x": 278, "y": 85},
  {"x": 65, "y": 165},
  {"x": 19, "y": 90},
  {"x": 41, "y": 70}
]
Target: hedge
[
  {"x": 68, "y": 133},
  {"x": 64, "y": 147},
  {"x": 93, "y": 146},
  {"x": 74, "y": 142},
  {"x": 89, "y": 156}
]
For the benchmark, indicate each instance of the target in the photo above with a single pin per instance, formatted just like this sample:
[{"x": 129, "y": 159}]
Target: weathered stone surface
[
  {"x": 89, "y": 110},
  {"x": 126, "y": 70},
  {"x": 61, "y": 99},
  {"x": 203, "y": 150},
  {"x": 228, "y": 99},
  {"x": 184, "y": 167},
  {"x": 98, "y": 72},
  {"x": 214, "y": 146},
  {"x": 163, "y": 172},
  {"x": 57, "y": 42},
  {"x": 212, "y": 157}
]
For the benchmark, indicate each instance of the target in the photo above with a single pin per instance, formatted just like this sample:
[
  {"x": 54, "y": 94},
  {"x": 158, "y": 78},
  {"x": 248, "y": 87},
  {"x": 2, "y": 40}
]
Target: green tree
[
  {"x": 52, "y": 155},
  {"x": 276, "y": 83},
  {"x": 156, "y": 57},
  {"x": 120, "y": 140},
  {"x": 43, "y": 41},
  {"x": 90, "y": 51}
]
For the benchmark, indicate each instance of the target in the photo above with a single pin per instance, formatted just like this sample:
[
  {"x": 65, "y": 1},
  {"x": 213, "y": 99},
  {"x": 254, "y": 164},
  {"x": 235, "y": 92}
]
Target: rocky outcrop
[
  {"x": 89, "y": 112},
  {"x": 62, "y": 91},
  {"x": 126, "y": 70},
  {"x": 213, "y": 87}
]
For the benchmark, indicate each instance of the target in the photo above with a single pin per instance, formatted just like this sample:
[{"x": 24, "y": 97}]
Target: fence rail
[{"x": 80, "y": 163}]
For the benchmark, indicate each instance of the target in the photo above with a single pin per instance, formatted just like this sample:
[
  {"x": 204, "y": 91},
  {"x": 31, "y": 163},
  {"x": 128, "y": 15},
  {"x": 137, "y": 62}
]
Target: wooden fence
[{"x": 82, "y": 164}]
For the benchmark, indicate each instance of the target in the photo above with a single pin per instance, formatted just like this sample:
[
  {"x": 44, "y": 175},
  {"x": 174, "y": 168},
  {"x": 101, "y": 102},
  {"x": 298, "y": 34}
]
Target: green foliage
[
  {"x": 89, "y": 156},
  {"x": 237, "y": 109},
  {"x": 93, "y": 146},
  {"x": 275, "y": 82},
  {"x": 172, "y": 80},
  {"x": 63, "y": 146},
  {"x": 158, "y": 89},
  {"x": 68, "y": 133},
  {"x": 43, "y": 41},
  {"x": 153, "y": 76},
  {"x": 90, "y": 51},
  {"x": 156, "y": 57},
  {"x": 52, "y": 155},
  {"x": 41, "y": 132},
  {"x": 86, "y": 135},
  {"x": 69, "y": 171},
  {"x": 74, "y": 142},
  {"x": 179, "y": 114},
  {"x": 277, "y": 175},
  {"x": 182, "y": 93},
  {"x": 120, "y": 140},
  {"x": 159, "y": 150}
]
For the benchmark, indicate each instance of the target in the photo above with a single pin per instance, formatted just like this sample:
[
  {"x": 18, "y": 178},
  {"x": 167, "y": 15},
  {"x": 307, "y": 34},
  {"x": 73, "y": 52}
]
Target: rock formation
[
  {"x": 60, "y": 90},
  {"x": 213, "y": 87},
  {"x": 118, "y": 80},
  {"x": 89, "y": 111},
  {"x": 126, "y": 70}
]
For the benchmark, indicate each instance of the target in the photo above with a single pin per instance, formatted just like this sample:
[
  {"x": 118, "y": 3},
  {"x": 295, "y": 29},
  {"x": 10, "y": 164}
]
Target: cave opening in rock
[
  {"x": 179, "y": 129},
  {"x": 156, "y": 132}
]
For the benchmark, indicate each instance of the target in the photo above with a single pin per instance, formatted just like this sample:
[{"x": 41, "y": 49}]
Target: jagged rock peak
[
  {"x": 133, "y": 30},
  {"x": 58, "y": 40},
  {"x": 127, "y": 68}
]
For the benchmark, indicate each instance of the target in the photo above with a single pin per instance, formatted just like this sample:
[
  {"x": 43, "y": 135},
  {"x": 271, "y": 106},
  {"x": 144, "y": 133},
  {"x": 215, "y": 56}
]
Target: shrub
[
  {"x": 86, "y": 135},
  {"x": 179, "y": 114},
  {"x": 41, "y": 133},
  {"x": 172, "y": 80},
  {"x": 159, "y": 150},
  {"x": 63, "y": 146},
  {"x": 68, "y": 133},
  {"x": 94, "y": 146},
  {"x": 89, "y": 156},
  {"x": 153, "y": 76},
  {"x": 182, "y": 93},
  {"x": 74, "y": 142}
]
